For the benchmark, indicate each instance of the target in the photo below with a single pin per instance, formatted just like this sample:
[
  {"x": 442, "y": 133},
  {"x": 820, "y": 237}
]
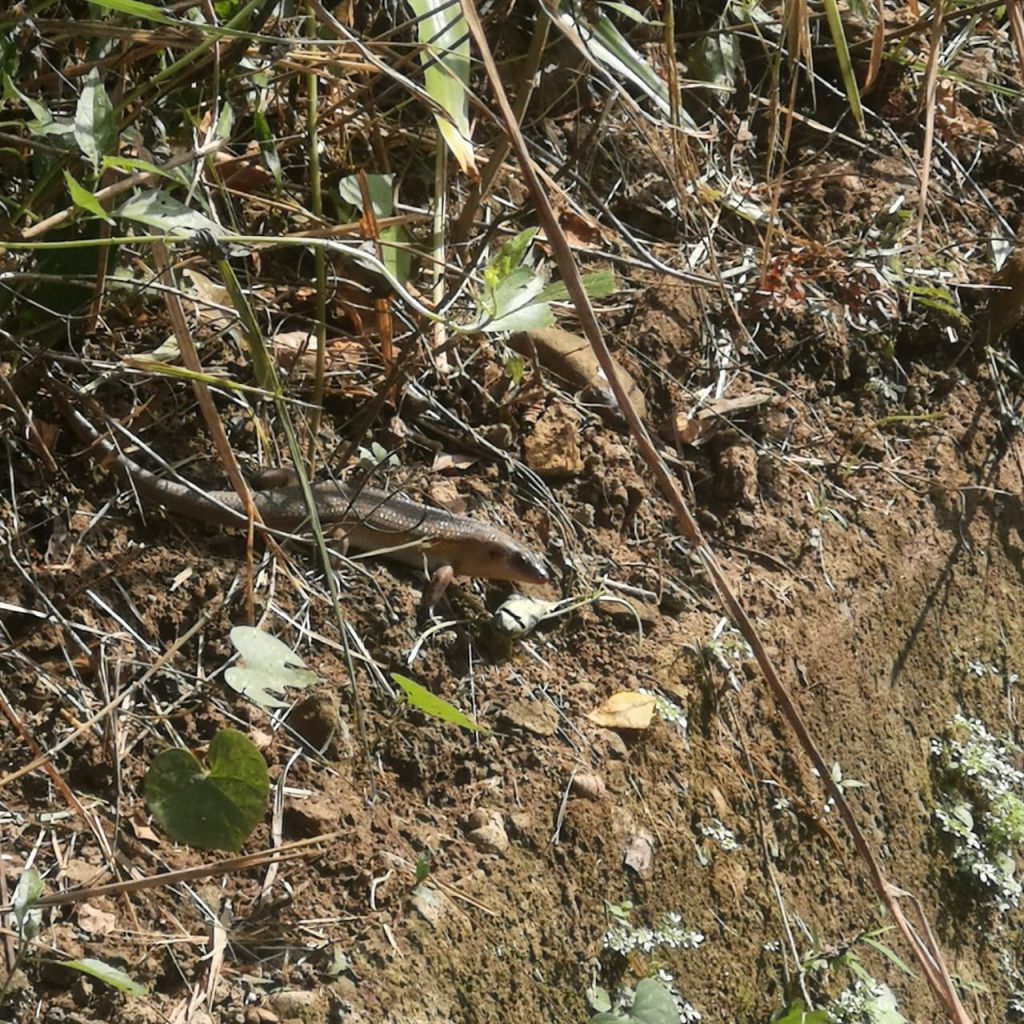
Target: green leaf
[
  {"x": 215, "y": 808},
  {"x": 630, "y": 12},
  {"x": 268, "y": 666},
  {"x": 939, "y": 299},
  {"x": 509, "y": 258},
  {"x": 396, "y": 252},
  {"x": 715, "y": 59},
  {"x": 598, "y": 284},
  {"x": 833, "y": 16},
  {"x": 43, "y": 122},
  {"x": 225, "y": 122},
  {"x": 598, "y": 999},
  {"x": 268, "y": 145},
  {"x": 179, "y": 175},
  {"x": 605, "y": 45},
  {"x": 515, "y": 297},
  {"x": 858, "y": 970},
  {"x": 881, "y": 1009},
  {"x": 796, "y": 1014},
  {"x": 889, "y": 955},
  {"x": 515, "y": 367},
  {"x": 514, "y": 304},
  {"x": 84, "y": 199},
  {"x": 444, "y": 42},
  {"x": 227, "y": 9},
  {"x": 135, "y": 9},
  {"x": 26, "y": 894},
  {"x": 95, "y": 131},
  {"x": 653, "y": 1004},
  {"x": 108, "y": 975},
  {"x": 381, "y": 188},
  {"x": 164, "y": 212},
  {"x": 423, "y": 700}
]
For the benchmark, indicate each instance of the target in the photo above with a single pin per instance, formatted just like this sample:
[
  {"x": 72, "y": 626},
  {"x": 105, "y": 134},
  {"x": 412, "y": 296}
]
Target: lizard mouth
[{"x": 533, "y": 570}]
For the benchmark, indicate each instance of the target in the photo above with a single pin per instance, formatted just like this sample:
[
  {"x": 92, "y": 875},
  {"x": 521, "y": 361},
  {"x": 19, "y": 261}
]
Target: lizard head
[{"x": 502, "y": 558}]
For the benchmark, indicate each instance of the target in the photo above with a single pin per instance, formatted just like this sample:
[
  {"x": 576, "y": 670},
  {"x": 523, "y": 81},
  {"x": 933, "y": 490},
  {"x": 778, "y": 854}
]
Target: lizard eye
[{"x": 531, "y": 567}]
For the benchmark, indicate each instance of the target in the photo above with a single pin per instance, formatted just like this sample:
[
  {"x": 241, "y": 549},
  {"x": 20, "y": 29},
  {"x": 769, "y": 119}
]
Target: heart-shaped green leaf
[{"x": 215, "y": 808}]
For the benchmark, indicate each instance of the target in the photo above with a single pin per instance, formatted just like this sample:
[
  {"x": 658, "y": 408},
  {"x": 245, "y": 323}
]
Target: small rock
[
  {"x": 627, "y": 613},
  {"x": 315, "y": 719},
  {"x": 307, "y": 1006},
  {"x": 260, "y": 1015},
  {"x": 736, "y": 475},
  {"x": 312, "y": 816},
  {"x": 639, "y": 853},
  {"x": 539, "y": 718},
  {"x": 588, "y": 785},
  {"x": 430, "y": 904},
  {"x": 610, "y": 745},
  {"x": 553, "y": 448},
  {"x": 486, "y": 831}
]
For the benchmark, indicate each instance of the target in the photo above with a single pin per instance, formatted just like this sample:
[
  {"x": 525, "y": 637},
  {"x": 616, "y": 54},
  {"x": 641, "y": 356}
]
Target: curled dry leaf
[
  {"x": 624, "y": 710},
  {"x": 296, "y": 351}
]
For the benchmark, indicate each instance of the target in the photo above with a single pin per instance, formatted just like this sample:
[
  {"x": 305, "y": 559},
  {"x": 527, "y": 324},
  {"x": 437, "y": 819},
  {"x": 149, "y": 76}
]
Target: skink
[{"x": 368, "y": 519}]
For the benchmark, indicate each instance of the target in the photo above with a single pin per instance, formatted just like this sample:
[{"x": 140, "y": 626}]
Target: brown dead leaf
[
  {"x": 695, "y": 427},
  {"x": 80, "y": 872},
  {"x": 624, "y": 710},
  {"x": 639, "y": 853},
  {"x": 571, "y": 358},
  {"x": 245, "y": 173},
  {"x": 142, "y": 831},
  {"x": 444, "y": 461},
  {"x": 580, "y": 232},
  {"x": 95, "y": 921},
  {"x": 296, "y": 350}
]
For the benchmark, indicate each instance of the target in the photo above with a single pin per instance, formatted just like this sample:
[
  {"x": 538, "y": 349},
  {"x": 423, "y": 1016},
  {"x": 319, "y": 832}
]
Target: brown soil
[{"x": 869, "y": 517}]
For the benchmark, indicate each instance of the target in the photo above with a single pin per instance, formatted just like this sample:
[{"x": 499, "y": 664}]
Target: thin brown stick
[
  {"x": 125, "y": 185},
  {"x": 938, "y": 980},
  {"x": 226, "y": 454},
  {"x": 290, "y": 851},
  {"x": 44, "y": 758}
]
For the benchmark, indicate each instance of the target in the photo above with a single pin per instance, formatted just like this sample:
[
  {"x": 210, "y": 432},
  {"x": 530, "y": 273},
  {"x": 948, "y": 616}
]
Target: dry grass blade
[
  {"x": 938, "y": 979},
  {"x": 1016, "y": 19},
  {"x": 928, "y": 103}
]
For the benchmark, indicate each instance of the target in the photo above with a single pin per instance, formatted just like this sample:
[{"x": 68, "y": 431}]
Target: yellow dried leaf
[{"x": 624, "y": 710}]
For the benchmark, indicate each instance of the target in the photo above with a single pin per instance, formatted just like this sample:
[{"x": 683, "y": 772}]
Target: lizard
[{"x": 366, "y": 518}]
